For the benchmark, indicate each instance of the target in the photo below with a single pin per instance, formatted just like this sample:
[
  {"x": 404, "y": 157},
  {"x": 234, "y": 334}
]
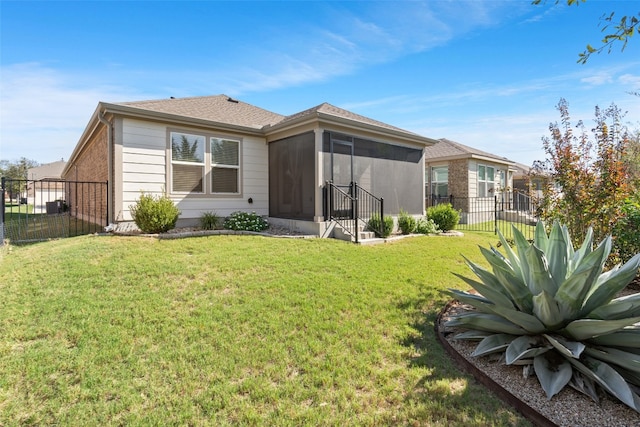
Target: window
[
  {"x": 187, "y": 161},
  {"x": 440, "y": 181},
  {"x": 192, "y": 160},
  {"x": 225, "y": 165},
  {"x": 487, "y": 180}
]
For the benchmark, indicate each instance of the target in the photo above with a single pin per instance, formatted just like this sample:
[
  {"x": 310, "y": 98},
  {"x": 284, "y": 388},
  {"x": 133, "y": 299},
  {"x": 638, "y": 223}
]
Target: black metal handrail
[{"x": 349, "y": 208}]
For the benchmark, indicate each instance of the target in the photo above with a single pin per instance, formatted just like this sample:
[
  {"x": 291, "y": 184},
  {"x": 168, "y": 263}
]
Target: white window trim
[{"x": 208, "y": 164}]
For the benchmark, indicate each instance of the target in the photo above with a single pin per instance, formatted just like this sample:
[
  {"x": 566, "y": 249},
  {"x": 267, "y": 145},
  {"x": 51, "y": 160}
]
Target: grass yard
[{"x": 234, "y": 330}]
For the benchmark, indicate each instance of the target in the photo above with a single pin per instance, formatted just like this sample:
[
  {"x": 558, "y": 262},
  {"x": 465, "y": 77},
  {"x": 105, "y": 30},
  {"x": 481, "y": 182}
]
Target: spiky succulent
[{"x": 552, "y": 309}]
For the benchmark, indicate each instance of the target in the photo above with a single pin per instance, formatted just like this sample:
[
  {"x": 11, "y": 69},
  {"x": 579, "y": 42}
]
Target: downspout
[{"x": 110, "y": 184}]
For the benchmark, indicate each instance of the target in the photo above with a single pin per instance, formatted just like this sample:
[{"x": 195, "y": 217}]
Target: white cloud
[
  {"x": 43, "y": 112},
  {"x": 598, "y": 79}
]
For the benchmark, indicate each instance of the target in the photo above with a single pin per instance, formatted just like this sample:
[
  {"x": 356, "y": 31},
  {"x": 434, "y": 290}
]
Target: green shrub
[
  {"x": 154, "y": 214},
  {"x": 406, "y": 223},
  {"x": 382, "y": 229},
  {"x": 445, "y": 217},
  {"x": 627, "y": 231},
  {"x": 551, "y": 309},
  {"x": 426, "y": 226},
  {"x": 245, "y": 221},
  {"x": 209, "y": 221}
]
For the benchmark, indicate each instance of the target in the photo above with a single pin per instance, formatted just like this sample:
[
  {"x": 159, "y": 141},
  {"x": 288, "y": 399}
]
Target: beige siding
[
  {"x": 144, "y": 168},
  {"x": 143, "y": 161}
]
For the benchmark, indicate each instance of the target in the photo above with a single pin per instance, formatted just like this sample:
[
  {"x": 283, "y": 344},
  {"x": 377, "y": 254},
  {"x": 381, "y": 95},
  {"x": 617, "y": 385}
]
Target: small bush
[
  {"x": 445, "y": 217},
  {"x": 426, "y": 226},
  {"x": 382, "y": 229},
  {"x": 627, "y": 231},
  {"x": 406, "y": 222},
  {"x": 245, "y": 221},
  {"x": 209, "y": 221},
  {"x": 154, "y": 214}
]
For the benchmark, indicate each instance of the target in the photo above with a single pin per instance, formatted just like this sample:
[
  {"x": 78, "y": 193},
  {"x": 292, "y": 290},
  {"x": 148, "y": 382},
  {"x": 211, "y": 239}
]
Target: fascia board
[{"x": 323, "y": 118}]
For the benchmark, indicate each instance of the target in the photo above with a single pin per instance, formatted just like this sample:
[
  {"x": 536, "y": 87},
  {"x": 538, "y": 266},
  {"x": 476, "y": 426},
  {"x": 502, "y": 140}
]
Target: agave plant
[{"x": 551, "y": 308}]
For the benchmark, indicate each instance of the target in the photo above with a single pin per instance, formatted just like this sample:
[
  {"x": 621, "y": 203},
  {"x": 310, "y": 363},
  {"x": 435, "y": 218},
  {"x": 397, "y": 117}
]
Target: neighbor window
[
  {"x": 187, "y": 161},
  {"x": 487, "y": 180},
  {"x": 440, "y": 181},
  {"x": 194, "y": 163},
  {"x": 225, "y": 165}
]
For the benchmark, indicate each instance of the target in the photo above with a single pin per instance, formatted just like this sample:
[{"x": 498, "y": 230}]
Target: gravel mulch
[{"x": 568, "y": 408}]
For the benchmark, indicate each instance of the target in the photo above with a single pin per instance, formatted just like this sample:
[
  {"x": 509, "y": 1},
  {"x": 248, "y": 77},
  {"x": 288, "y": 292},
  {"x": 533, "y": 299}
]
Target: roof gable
[{"x": 446, "y": 148}]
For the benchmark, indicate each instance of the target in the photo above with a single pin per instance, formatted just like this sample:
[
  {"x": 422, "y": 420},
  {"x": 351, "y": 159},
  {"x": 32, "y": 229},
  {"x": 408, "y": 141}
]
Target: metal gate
[
  {"x": 498, "y": 212},
  {"x": 34, "y": 211}
]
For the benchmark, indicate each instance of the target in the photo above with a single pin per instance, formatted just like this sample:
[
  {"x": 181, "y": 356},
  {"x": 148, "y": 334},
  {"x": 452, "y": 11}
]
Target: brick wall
[
  {"x": 88, "y": 201},
  {"x": 459, "y": 178}
]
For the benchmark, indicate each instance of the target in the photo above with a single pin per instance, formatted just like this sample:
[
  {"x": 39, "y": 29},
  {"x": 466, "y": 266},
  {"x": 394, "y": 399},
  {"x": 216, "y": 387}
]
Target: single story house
[
  {"x": 45, "y": 191},
  {"x": 468, "y": 177},
  {"x": 219, "y": 154}
]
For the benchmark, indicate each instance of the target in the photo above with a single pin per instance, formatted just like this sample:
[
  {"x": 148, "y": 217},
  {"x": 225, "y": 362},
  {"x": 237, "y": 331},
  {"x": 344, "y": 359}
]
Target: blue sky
[{"x": 484, "y": 73}]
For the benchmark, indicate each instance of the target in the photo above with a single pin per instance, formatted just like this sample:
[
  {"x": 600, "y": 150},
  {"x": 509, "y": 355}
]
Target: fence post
[
  {"x": 495, "y": 214},
  {"x": 2, "y": 218}
]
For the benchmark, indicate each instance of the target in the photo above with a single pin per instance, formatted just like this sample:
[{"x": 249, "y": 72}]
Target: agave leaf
[
  {"x": 518, "y": 295},
  {"x": 608, "y": 379},
  {"x": 553, "y": 376},
  {"x": 526, "y": 321},
  {"x": 628, "y": 337},
  {"x": 633, "y": 378},
  {"x": 540, "y": 238},
  {"x": 583, "y": 329},
  {"x": 472, "y": 335},
  {"x": 477, "y": 301},
  {"x": 583, "y": 251},
  {"x": 584, "y": 385},
  {"x": 575, "y": 288},
  {"x": 485, "y": 322},
  {"x": 539, "y": 278},
  {"x": 611, "y": 284},
  {"x": 518, "y": 291},
  {"x": 496, "y": 295},
  {"x": 521, "y": 246},
  {"x": 514, "y": 261},
  {"x": 627, "y": 306},
  {"x": 557, "y": 253},
  {"x": 567, "y": 239},
  {"x": 569, "y": 349},
  {"x": 524, "y": 347},
  {"x": 492, "y": 344},
  {"x": 621, "y": 358},
  {"x": 546, "y": 309}
]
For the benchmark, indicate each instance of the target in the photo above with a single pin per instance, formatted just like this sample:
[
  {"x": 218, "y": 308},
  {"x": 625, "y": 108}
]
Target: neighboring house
[
  {"x": 218, "y": 154},
  {"x": 44, "y": 187},
  {"x": 471, "y": 177}
]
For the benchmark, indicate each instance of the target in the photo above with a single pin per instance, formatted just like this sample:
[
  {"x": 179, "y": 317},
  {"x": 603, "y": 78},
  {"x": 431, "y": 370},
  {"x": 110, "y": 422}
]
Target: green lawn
[
  {"x": 234, "y": 330},
  {"x": 23, "y": 226}
]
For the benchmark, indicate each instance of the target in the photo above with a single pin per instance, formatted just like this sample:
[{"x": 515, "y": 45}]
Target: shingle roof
[
  {"x": 47, "y": 171},
  {"x": 447, "y": 148},
  {"x": 332, "y": 110},
  {"x": 218, "y": 108}
]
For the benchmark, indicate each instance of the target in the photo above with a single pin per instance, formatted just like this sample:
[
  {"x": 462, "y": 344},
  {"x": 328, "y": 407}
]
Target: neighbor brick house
[{"x": 472, "y": 177}]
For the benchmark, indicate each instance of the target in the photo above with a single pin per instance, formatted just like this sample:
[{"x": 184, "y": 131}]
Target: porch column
[{"x": 319, "y": 175}]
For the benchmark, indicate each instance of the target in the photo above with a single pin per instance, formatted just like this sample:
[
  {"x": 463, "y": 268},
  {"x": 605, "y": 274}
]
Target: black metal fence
[
  {"x": 497, "y": 212},
  {"x": 34, "y": 211}
]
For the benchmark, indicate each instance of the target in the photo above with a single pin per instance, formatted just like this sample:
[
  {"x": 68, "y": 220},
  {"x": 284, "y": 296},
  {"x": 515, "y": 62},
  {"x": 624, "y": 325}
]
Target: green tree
[
  {"x": 589, "y": 180},
  {"x": 617, "y": 31},
  {"x": 16, "y": 170}
]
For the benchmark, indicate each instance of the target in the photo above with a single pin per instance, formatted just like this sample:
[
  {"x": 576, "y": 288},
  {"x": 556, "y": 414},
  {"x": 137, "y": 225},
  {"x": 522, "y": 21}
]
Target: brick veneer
[{"x": 89, "y": 202}]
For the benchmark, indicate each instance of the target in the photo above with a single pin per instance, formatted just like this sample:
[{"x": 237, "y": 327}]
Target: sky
[{"x": 487, "y": 74}]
